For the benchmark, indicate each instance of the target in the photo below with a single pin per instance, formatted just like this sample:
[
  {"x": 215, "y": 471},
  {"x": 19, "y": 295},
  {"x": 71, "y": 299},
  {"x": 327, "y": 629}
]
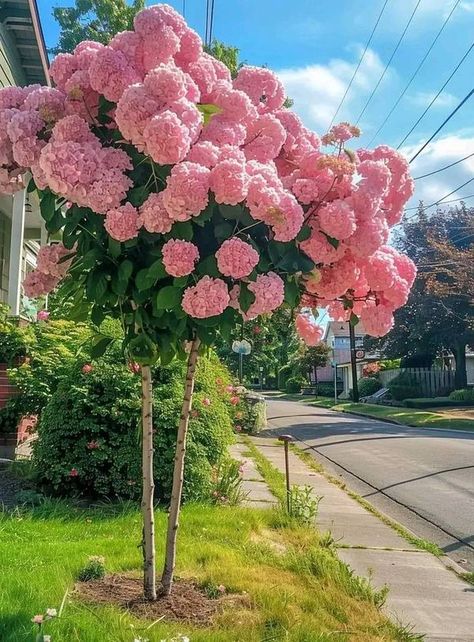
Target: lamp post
[
  {"x": 355, "y": 387},
  {"x": 286, "y": 439},
  {"x": 261, "y": 377}
]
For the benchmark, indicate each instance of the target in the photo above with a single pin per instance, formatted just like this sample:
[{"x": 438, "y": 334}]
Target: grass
[
  {"x": 297, "y": 592},
  {"x": 398, "y": 414},
  {"x": 424, "y": 544},
  {"x": 469, "y": 577}
]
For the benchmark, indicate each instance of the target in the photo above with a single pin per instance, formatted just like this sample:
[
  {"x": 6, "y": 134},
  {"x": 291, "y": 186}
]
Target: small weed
[
  {"x": 469, "y": 577},
  {"x": 212, "y": 590},
  {"x": 227, "y": 483},
  {"x": 93, "y": 570},
  {"x": 303, "y": 505}
]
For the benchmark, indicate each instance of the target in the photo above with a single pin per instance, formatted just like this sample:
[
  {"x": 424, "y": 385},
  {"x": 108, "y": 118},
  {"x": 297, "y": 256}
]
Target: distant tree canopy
[
  {"x": 97, "y": 20},
  {"x": 439, "y": 314}
]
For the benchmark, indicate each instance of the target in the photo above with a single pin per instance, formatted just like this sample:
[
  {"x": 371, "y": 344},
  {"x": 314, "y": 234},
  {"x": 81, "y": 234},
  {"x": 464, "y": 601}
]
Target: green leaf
[
  {"x": 142, "y": 350},
  {"x": 91, "y": 257},
  {"x": 332, "y": 241},
  {"x": 55, "y": 223},
  {"x": 208, "y": 266},
  {"x": 31, "y": 186},
  {"x": 205, "y": 215},
  {"x": 292, "y": 292},
  {"x": 304, "y": 233},
  {"x": 115, "y": 247},
  {"x": 182, "y": 230},
  {"x": 246, "y": 297},
  {"x": 223, "y": 231},
  {"x": 100, "y": 346},
  {"x": 168, "y": 297},
  {"x": 354, "y": 319},
  {"x": 97, "y": 315},
  {"x": 208, "y": 111},
  {"x": 232, "y": 212},
  {"x": 96, "y": 285},
  {"x": 180, "y": 281},
  {"x": 122, "y": 277},
  {"x": 48, "y": 206},
  {"x": 147, "y": 277},
  {"x": 138, "y": 195}
]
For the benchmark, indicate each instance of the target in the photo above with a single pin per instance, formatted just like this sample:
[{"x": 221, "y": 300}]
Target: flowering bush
[
  {"x": 371, "y": 369},
  {"x": 87, "y": 434}
]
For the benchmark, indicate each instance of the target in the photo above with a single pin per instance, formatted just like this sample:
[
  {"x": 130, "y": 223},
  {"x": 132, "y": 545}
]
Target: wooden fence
[{"x": 433, "y": 382}]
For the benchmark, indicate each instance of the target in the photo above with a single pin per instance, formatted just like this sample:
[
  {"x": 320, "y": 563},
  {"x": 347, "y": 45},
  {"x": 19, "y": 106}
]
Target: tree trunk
[
  {"x": 149, "y": 572},
  {"x": 460, "y": 380},
  {"x": 178, "y": 473}
]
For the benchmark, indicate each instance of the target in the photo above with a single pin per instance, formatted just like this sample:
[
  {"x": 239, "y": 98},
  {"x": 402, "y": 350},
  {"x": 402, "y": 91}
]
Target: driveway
[{"x": 422, "y": 478}]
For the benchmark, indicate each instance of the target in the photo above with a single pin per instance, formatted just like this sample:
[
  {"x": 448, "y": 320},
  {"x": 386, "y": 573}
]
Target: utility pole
[{"x": 355, "y": 387}]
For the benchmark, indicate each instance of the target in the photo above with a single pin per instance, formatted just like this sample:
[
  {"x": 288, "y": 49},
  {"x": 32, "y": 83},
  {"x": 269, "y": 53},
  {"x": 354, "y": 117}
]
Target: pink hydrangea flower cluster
[
  {"x": 179, "y": 257},
  {"x": 122, "y": 223},
  {"x": 236, "y": 258},
  {"x": 51, "y": 267},
  {"x": 307, "y": 330},
  {"x": 208, "y": 298}
]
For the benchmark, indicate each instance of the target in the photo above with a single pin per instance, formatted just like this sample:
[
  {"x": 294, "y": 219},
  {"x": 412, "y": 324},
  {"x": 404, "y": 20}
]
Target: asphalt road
[{"x": 422, "y": 478}]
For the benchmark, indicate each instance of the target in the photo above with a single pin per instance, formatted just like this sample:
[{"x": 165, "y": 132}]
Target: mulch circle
[{"x": 187, "y": 602}]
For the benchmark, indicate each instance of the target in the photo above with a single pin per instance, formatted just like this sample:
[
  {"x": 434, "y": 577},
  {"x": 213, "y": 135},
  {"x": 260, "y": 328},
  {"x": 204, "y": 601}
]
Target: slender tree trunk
[
  {"x": 178, "y": 473},
  {"x": 460, "y": 359},
  {"x": 149, "y": 571}
]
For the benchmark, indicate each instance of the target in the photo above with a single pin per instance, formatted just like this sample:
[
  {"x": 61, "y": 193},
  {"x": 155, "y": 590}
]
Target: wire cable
[
  {"x": 441, "y": 169},
  {"x": 415, "y": 73},
  {"x": 445, "y": 121},
  {"x": 369, "y": 99},
  {"x": 442, "y": 198},
  {"x": 359, "y": 63},
  {"x": 437, "y": 95}
]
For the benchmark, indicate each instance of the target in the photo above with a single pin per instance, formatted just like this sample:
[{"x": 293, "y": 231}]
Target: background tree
[
  {"x": 312, "y": 358},
  {"x": 439, "y": 311},
  {"x": 97, "y": 20}
]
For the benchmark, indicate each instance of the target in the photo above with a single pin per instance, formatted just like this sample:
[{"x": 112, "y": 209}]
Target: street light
[{"x": 261, "y": 377}]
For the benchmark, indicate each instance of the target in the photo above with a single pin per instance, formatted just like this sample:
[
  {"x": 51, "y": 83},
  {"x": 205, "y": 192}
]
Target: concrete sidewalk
[
  {"x": 423, "y": 592},
  {"x": 253, "y": 484}
]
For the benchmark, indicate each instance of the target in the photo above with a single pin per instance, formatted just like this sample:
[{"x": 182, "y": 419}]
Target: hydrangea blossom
[
  {"x": 307, "y": 330},
  {"x": 236, "y": 258},
  {"x": 208, "y": 298},
  {"x": 179, "y": 257}
]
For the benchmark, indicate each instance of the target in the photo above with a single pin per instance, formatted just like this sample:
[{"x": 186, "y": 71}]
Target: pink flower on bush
[
  {"x": 42, "y": 315},
  {"x": 234, "y": 400},
  {"x": 134, "y": 367},
  {"x": 337, "y": 219},
  {"x": 51, "y": 260},
  {"x": 167, "y": 138},
  {"x": 179, "y": 257},
  {"x": 122, "y": 223},
  {"x": 207, "y": 298},
  {"x": 269, "y": 293},
  {"x": 187, "y": 191},
  {"x": 37, "y": 619},
  {"x": 37, "y": 284},
  {"x": 154, "y": 216},
  {"x": 238, "y": 428},
  {"x": 236, "y": 258},
  {"x": 308, "y": 331},
  {"x": 87, "y": 368},
  {"x": 206, "y": 401},
  {"x": 93, "y": 445},
  {"x": 73, "y": 472},
  {"x": 229, "y": 181}
]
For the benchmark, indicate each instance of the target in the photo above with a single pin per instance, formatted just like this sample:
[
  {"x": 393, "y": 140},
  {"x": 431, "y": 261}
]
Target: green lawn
[
  {"x": 298, "y": 590},
  {"x": 404, "y": 416}
]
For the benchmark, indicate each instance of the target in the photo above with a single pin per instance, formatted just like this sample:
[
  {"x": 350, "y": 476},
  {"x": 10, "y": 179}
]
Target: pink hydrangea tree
[{"x": 189, "y": 203}]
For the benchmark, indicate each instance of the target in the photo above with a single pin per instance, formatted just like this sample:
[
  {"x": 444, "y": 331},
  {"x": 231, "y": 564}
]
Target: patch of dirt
[
  {"x": 455, "y": 413},
  {"x": 187, "y": 602}
]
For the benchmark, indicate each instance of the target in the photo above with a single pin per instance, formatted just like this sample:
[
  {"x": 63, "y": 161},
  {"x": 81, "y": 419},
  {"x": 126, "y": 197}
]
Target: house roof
[
  {"x": 21, "y": 19},
  {"x": 341, "y": 329}
]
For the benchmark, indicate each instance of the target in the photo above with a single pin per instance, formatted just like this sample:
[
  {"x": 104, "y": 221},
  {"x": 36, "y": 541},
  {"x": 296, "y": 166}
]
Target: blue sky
[{"x": 315, "y": 46}]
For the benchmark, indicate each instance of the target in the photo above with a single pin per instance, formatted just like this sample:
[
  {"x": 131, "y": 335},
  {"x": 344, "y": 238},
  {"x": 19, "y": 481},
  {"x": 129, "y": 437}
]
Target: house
[
  {"x": 337, "y": 337},
  {"x": 23, "y": 61}
]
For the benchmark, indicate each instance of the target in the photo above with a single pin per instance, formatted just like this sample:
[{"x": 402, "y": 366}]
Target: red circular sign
[{"x": 360, "y": 354}]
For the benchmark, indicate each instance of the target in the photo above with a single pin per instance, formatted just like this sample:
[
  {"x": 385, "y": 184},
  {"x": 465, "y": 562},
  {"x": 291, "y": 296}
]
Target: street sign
[
  {"x": 360, "y": 354},
  {"x": 241, "y": 347}
]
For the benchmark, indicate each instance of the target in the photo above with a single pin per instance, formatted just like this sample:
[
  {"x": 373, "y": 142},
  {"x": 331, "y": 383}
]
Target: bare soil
[{"x": 187, "y": 603}]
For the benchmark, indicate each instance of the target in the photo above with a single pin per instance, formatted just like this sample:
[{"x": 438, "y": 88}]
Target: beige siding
[{"x": 11, "y": 72}]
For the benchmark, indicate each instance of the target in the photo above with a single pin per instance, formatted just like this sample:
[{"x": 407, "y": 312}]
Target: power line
[
  {"x": 445, "y": 121},
  {"x": 437, "y": 95},
  {"x": 359, "y": 63},
  {"x": 389, "y": 61},
  {"x": 415, "y": 73},
  {"x": 441, "y": 169},
  {"x": 441, "y": 199}
]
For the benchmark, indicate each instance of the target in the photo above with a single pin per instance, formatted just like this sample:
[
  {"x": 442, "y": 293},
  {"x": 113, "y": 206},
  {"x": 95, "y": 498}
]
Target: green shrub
[
  {"x": 93, "y": 570},
  {"x": 368, "y": 386},
  {"x": 89, "y": 432},
  {"x": 294, "y": 384},
  {"x": 404, "y": 387},
  {"x": 326, "y": 389},
  {"x": 465, "y": 394}
]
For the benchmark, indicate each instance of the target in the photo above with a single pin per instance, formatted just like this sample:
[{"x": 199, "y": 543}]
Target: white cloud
[
  {"x": 424, "y": 98},
  {"x": 438, "y": 154},
  {"x": 318, "y": 89},
  {"x": 467, "y": 6}
]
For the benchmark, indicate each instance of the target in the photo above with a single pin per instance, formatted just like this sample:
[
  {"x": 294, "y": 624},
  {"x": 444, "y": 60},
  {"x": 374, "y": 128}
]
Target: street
[{"x": 424, "y": 479}]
